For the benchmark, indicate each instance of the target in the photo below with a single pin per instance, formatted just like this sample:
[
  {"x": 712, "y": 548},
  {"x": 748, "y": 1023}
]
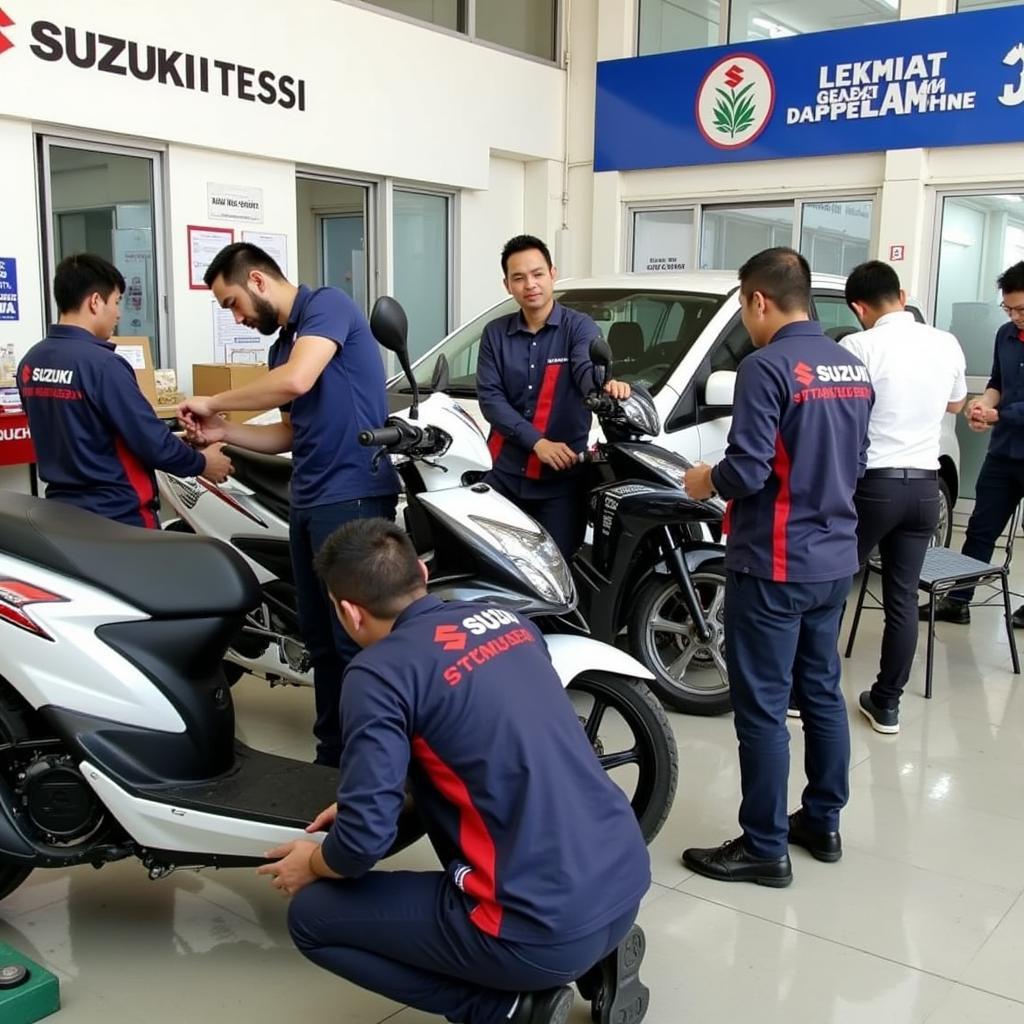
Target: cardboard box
[
  {"x": 212, "y": 378},
  {"x": 135, "y": 351}
]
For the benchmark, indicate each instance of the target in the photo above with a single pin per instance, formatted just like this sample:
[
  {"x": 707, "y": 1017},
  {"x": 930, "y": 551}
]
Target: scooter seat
[
  {"x": 269, "y": 477},
  {"x": 166, "y": 575}
]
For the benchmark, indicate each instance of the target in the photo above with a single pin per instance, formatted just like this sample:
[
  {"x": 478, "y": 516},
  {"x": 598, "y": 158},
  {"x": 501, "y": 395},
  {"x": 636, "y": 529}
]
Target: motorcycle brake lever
[{"x": 435, "y": 464}]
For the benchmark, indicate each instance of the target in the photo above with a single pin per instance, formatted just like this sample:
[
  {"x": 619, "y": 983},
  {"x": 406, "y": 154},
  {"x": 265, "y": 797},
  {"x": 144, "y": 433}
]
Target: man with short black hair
[
  {"x": 1000, "y": 486},
  {"x": 796, "y": 448},
  {"x": 918, "y": 374},
  {"x": 327, "y": 377},
  {"x": 544, "y": 862},
  {"x": 532, "y": 374},
  {"x": 97, "y": 440}
]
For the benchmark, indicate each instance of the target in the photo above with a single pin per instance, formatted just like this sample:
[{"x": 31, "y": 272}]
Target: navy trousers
[
  {"x": 781, "y": 637},
  {"x": 407, "y": 935},
  {"x": 330, "y": 647}
]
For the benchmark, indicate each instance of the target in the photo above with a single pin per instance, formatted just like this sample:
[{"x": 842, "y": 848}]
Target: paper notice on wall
[
  {"x": 275, "y": 246},
  {"x": 236, "y": 343},
  {"x": 133, "y": 355}
]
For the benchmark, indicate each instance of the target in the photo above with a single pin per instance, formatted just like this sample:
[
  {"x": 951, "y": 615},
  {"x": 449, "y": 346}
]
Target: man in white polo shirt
[{"x": 918, "y": 374}]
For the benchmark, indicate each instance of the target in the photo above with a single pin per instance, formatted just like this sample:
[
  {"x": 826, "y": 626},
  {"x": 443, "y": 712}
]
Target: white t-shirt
[{"x": 916, "y": 371}]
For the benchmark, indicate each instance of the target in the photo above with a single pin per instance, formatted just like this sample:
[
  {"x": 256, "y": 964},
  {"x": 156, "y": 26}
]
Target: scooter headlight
[
  {"x": 535, "y": 556},
  {"x": 668, "y": 469}
]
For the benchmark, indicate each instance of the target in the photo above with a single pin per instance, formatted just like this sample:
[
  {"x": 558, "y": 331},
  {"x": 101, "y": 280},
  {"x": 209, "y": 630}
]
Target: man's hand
[
  {"x": 324, "y": 820},
  {"x": 555, "y": 454},
  {"x": 218, "y": 465},
  {"x": 196, "y": 408},
  {"x": 697, "y": 482},
  {"x": 980, "y": 415},
  {"x": 292, "y": 871},
  {"x": 617, "y": 389}
]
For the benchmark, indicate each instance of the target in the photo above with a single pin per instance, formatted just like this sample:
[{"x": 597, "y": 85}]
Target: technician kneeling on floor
[{"x": 544, "y": 861}]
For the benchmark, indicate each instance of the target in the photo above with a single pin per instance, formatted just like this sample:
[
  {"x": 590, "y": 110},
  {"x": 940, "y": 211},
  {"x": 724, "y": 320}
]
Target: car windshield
[{"x": 648, "y": 331}]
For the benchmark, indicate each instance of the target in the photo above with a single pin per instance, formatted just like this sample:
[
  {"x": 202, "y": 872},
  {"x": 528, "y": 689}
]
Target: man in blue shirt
[
  {"x": 327, "y": 376},
  {"x": 544, "y": 862},
  {"x": 1000, "y": 486},
  {"x": 797, "y": 447},
  {"x": 532, "y": 374},
  {"x": 97, "y": 440}
]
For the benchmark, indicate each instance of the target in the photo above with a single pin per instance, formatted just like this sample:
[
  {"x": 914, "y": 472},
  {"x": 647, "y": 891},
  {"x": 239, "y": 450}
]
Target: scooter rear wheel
[
  {"x": 12, "y": 730},
  {"x": 633, "y": 741}
]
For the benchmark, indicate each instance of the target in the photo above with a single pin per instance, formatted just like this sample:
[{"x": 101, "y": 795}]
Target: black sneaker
[
  {"x": 1018, "y": 618},
  {"x": 948, "y": 610},
  {"x": 824, "y": 846},
  {"x": 552, "y": 1006},
  {"x": 885, "y": 720},
  {"x": 613, "y": 986},
  {"x": 731, "y": 862}
]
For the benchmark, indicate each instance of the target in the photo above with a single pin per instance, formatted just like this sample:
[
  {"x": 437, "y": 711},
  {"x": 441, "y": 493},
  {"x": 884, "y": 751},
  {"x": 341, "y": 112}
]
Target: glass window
[
  {"x": 662, "y": 240},
  {"x": 730, "y": 235},
  {"x": 421, "y": 266},
  {"x": 527, "y": 26},
  {"x": 666, "y": 25},
  {"x": 446, "y": 13},
  {"x": 973, "y": 5},
  {"x": 835, "y": 236},
  {"x": 732, "y": 347},
  {"x": 767, "y": 19},
  {"x": 834, "y": 315},
  {"x": 105, "y": 202}
]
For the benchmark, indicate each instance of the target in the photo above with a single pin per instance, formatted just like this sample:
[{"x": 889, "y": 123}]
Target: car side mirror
[
  {"x": 441, "y": 376},
  {"x": 720, "y": 390}
]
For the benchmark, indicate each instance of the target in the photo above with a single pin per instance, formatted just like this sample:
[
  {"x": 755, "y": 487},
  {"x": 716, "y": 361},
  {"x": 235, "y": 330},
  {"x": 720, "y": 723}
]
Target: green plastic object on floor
[{"x": 35, "y": 998}]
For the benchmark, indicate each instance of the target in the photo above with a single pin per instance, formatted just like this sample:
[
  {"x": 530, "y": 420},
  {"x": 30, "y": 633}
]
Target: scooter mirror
[
  {"x": 601, "y": 353},
  {"x": 441, "y": 377},
  {"x": 390, "y": 325}
]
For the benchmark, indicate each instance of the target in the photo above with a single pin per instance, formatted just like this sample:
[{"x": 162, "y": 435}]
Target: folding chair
[{"x": 944, "y": 571}]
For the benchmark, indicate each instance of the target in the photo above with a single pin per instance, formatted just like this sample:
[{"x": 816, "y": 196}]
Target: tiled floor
[{"x": 922, "y": 920}]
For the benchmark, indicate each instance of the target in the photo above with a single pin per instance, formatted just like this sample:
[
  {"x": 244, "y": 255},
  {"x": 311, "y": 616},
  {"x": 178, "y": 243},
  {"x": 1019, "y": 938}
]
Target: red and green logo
[{"x": 735, "y": 101}]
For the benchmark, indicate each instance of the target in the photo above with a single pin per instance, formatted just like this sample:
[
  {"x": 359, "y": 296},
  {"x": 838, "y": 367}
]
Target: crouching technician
[{"x": 544, "y": 862}]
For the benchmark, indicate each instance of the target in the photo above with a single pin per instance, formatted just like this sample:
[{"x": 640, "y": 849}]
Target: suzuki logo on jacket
[{"x": 44, "y": 375}]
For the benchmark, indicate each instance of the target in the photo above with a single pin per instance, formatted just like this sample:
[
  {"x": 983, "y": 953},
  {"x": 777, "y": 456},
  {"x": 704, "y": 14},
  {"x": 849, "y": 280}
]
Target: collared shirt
[
  {"x": 1008, "y": 379},
  {"x": 97, "y": 439},
  {"x": 916, "y": 371},
  {"x": 797, "y": 447},
  {"x": 330, "y": 463},
  {"x": 461, "y": 698},
  {"x": 532, "y": 386}
]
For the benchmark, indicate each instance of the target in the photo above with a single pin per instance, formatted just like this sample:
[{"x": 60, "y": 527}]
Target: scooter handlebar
[
  {"x": 601, "y": 403},
  {"x": 382, "y": 437}
]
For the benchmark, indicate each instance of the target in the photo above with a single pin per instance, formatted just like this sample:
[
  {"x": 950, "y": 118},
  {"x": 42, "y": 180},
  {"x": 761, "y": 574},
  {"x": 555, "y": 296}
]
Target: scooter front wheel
[
  {"x": 633, "y": 741},
  {"x": 690, "y": 674}
]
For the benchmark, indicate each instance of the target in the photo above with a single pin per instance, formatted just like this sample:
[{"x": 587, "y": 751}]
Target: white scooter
[{"x": 478, "y": 545}]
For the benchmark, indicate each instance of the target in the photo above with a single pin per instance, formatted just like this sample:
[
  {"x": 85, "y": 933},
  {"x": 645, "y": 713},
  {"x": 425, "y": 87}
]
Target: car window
[
  {"x": 731, "y": 347},
  {"x": 832, "y": 312},
  {"x": 649, "y": 332}
]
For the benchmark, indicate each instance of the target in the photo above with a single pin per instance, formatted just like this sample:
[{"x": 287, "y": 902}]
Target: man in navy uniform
[
  {"x": 97, "y": 439},
  {"x": 327, "y": 376},
  {"x": 533, "y": 372},
  {"x": 796, "y": 449},
  {"x": 544, "y": 862}
]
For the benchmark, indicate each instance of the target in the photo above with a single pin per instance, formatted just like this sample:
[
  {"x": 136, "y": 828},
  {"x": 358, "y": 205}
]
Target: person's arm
[
  {"x": 493, "y": 399},
  {"x": 747, "y": 464},
  {"x": 958, "y": 393},
  {"x": 123, "y": 405},
  {"x": 374, "y": 767},
  {"x": 267, "y": 438}
]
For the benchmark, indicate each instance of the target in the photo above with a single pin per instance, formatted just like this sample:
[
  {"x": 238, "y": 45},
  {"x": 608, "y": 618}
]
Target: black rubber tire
[
  {"x": 654, "y": 750},
  {"x": 702, "y": 696},
  {"x": 944, "y": 531},
  {"x": 11, "y": 874}
]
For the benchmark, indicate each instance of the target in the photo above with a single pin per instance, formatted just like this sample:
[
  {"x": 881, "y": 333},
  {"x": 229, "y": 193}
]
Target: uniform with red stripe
[
  {"x": 463, "y": 700},
  {"x": 804, "y": 409},
  {"x": 531, "y": 386},
  {"x": 97, "y": 439}
]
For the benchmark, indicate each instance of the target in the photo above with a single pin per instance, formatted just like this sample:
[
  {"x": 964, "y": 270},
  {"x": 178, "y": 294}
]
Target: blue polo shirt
[
  {"x": 330, "y": 464},
  {"x": 461, "y": 698},
  {"x": 96, "y": 437},
  {"x": 797, "y": 446},
  {"x": 532, "y": 386},
  {"x": 1008, "y": 379}
]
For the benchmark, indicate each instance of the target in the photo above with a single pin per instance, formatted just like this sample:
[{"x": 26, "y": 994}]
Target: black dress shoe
[
  {"x": 731, "y": 862},
  {"x": 883, "y": 720},
  {"x": 552, "y": 1006},
  {"x": 1018, "y": 618},
  {"x": 948, "y": 610},
  {"x": 613, "y": 986},
  {"x": 826, "y": 846}
]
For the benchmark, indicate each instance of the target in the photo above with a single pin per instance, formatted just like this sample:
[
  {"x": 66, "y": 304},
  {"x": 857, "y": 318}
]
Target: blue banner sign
[{"x": 955, "y": 80}]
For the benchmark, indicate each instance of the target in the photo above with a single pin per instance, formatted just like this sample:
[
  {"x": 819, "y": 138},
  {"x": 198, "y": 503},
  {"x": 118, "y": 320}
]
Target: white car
[{"x": 681, "y": 337}]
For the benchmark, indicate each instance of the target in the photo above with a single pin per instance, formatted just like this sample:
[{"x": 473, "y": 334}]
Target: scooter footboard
[{"x": 572, "y": 655}]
